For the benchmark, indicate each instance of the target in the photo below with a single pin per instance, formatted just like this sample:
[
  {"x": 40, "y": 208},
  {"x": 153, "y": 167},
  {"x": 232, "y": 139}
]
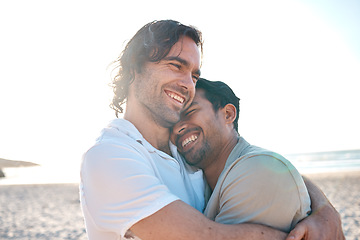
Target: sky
[{"x": 295, "y": 64}]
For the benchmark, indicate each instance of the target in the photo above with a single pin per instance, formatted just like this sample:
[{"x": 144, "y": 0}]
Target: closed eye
[
  {"x": 190, "y": 112},
  {"x": 196, "y": 78}
]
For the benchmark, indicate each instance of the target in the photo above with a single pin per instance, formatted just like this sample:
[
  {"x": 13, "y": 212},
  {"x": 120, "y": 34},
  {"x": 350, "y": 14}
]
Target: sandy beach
[
  {"x": 52, "y": 211},
  {"x": 343, "y": 190},
  {"x": 44, "y": 211}
]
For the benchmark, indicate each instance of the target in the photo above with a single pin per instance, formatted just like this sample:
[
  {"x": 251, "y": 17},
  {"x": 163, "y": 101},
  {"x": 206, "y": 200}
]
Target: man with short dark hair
[{"x": 245, "y": 183}]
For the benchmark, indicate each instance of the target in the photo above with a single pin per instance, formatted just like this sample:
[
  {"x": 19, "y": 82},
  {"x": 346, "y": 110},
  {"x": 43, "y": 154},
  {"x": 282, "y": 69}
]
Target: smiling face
[
  {"x": 164, "y": 89},
  {"x": 200, "y": 133}
]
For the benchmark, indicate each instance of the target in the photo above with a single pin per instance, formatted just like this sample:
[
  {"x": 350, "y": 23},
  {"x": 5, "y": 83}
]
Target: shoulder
[
  {"x": 112, "y": 154},
  {"x": 119, "y": 139},
  {"x": 264, "y": 160},
  {"x": 263, "y": 167},
  {"x": 256, "y": 179}
]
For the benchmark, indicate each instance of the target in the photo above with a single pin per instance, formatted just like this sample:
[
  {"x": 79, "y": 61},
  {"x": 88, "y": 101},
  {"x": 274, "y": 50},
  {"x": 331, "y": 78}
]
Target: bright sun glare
[{"x": 294, "y": 70}]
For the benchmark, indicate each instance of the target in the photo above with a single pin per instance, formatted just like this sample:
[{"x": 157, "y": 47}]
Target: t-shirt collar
[{"x": 127, "y": 128}]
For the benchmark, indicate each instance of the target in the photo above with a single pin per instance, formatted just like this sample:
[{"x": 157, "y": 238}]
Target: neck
[
  {"x": 218, "y": 161},
  {"x": 157, "y": 135}
]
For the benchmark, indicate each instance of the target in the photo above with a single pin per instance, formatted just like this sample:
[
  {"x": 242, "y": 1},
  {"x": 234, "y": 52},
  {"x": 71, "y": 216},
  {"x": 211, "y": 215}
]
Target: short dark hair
[
  {"x": 219, "y": 94},
  {"x": 150, "y": 44}
]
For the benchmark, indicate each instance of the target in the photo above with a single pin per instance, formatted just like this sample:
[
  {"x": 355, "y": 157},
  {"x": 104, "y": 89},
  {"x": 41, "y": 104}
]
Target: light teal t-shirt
[{"x": 258, "y": 186}]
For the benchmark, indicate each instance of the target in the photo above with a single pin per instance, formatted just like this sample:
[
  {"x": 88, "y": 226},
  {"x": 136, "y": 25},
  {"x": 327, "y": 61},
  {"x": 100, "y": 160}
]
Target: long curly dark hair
[{"x": 150, "y": 44}]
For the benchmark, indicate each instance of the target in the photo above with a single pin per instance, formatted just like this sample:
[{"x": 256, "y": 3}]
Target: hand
[{"x": 323, "y": 224}]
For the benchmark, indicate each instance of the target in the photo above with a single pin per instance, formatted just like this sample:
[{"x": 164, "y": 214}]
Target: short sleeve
[
  {"x": 261, "y": 189},
  {"x": 120, "y": 187}
]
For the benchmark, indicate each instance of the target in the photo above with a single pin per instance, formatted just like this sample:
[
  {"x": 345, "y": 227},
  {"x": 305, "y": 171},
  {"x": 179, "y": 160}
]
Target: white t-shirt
[{"x": 124, "y": 179}]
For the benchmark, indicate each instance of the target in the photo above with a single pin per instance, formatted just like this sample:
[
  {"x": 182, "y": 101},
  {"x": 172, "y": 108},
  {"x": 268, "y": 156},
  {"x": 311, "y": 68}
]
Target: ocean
[
  {"x": 306, "y": 163},
  {"x": 323, "y": 162}
]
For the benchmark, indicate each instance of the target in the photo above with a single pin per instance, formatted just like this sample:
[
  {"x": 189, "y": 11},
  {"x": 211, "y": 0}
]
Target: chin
[
  {"x": 169, "y": 120},
  {"x": 193, "y": 160}
]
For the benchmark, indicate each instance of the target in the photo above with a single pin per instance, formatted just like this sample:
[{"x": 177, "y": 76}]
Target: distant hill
[
  {"x": 4, "y": 163},
  {"x": 325, "y": 156}
]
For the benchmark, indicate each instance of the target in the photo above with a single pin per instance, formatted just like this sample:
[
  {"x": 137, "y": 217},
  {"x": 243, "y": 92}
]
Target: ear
[{"x": 230, "y": 113}]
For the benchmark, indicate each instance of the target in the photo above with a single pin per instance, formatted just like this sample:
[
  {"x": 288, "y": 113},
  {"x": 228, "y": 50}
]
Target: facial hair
[
  {"x": 153, "y": 98},
  {"x": 198, "y": 157}
]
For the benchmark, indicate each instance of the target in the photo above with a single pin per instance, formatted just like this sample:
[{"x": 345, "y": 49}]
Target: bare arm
[
  {"x": 180, "y": 221},
  {"x": 323, "y": 224}
]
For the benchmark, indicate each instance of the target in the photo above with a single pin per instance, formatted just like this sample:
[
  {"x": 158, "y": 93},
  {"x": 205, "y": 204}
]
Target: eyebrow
[{"x": 182, "y": 61}]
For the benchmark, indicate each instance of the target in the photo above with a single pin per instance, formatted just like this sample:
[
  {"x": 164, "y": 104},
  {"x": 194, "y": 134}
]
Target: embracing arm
[
  {"x": 323, "y": 223},
  {"x": 180, "y": 221},
  {"x": 115, "y": 200}
]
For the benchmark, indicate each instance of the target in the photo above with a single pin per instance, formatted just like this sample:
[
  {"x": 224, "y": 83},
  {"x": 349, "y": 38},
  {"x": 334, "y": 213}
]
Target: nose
[
  {"x": 187, "y": 84},
  {"x": 187, "y": 81}
]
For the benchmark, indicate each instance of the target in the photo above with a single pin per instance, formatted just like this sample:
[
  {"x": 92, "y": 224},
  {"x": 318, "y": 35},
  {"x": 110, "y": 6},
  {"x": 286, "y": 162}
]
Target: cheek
[{"x": 213, "y": 128}]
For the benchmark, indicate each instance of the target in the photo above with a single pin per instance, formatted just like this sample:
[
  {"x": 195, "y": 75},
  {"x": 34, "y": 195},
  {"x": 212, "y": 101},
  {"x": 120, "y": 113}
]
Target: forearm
[
  {"x": 248, "y": 231},
  {"x": 180, "y": 221},
  {"x": 318, "y": 198},
  {"x": 324, "y": 223}
]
